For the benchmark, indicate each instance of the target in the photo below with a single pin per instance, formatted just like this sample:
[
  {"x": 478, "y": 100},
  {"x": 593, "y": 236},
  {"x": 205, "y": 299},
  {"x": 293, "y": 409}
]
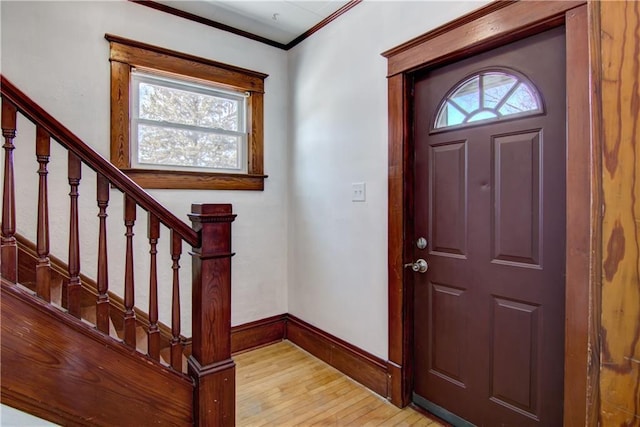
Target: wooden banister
[
  {"x": 8, "y": 249},
  {"x": 43, "y": 267},
  {"x": 154, "y": 331},
  {"x": 129, "y": 313},
  {"x": 102, "y": 302},
  {"x": 210, "y": 364},
  {"x": 95, "y": 161},
  {"x": 73, "y": 287},
  {"x": 176, "y": 345}
]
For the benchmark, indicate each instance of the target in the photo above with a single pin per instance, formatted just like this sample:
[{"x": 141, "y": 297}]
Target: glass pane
[
  {"x": 450, "y": 116},
  {"x": 496, "y": 86},
  {"x": 468, "y": 96},
  {"x": 522, "y": 99},
  {"x": 482, "y": 115},
  {"x": 172, "y": 105},
  {"x": 454, "y": 116},
  {"x": 159, "y": 145}
]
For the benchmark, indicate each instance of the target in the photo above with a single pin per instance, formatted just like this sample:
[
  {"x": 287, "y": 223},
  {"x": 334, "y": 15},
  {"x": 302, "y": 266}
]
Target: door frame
[{"x": 493, "y": 25}]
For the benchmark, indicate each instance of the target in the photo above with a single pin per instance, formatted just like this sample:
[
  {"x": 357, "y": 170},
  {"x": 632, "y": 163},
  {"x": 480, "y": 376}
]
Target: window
[
  {"x": 179, "y": 121},
  {"x": 175, "y": 124},
  {"x": 488, "y": 96}
]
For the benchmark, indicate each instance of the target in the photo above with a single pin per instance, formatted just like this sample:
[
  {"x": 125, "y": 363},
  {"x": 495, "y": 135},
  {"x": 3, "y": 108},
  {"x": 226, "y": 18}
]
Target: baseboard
[
  {"x": 363, "y": 367},
  {"x": 259, "y": 333}
]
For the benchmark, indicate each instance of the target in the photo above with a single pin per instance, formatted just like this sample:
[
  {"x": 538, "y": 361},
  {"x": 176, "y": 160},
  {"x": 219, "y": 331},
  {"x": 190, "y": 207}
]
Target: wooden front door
[{"x": 489, "y": 200}]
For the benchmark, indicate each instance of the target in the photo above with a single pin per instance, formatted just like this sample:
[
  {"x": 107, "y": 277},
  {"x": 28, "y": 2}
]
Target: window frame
[{"x": 125, "y": 55}]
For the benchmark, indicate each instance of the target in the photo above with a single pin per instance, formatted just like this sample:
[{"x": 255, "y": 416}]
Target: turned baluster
[
  {"x": 73, "y": 290},
  {"x": 43, "y": 265},
  {"x": 129, "y": 313},
  {"x": 102, "y": 303},
  {"x": 154, "y": 332},
  {"x": 8, "y": 247},
  {"x": 176, "y": 344},
  {"x": 210, "y": 364}
]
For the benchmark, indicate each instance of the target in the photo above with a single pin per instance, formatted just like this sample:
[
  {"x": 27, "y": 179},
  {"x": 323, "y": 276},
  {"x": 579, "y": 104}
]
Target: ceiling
[{"x": 280, "y": 21}]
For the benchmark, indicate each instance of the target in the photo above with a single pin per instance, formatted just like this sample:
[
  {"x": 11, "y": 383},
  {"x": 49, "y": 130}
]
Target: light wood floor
[{"x": 281, "y": 385}]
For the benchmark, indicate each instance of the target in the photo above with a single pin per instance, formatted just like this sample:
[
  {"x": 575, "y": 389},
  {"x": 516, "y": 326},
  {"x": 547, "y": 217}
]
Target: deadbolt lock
[{"x": 421, "y": 243}]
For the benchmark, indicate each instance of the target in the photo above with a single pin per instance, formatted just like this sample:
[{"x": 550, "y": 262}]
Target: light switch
[{"x": 358, "y": 192}]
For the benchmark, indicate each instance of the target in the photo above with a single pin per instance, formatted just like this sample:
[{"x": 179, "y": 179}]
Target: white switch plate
[{"x": 358, "y": 192}]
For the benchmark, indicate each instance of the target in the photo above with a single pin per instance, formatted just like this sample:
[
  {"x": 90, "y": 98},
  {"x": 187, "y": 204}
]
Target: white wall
[
  {"x": 57, "y": 54},
  {"x": 338, "y": 124},
  {"x": 10, "y": 417},
  {"x": 303, "y": 246}
]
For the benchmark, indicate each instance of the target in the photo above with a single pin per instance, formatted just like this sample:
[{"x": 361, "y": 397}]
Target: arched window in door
[{"x": 489, "y": 95}]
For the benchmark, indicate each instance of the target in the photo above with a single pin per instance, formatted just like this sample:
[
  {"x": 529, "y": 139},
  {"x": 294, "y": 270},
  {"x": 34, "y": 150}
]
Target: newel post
[{"x": 210, "y": 363}]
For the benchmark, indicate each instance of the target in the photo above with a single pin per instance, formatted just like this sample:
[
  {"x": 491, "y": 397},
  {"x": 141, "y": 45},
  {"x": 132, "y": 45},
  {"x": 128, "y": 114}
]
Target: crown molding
[{"x": 220, "y": 26}]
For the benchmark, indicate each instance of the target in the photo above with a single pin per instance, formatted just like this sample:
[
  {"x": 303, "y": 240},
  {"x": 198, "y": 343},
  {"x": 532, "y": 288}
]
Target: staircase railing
[{"x": 210, "y": 363}]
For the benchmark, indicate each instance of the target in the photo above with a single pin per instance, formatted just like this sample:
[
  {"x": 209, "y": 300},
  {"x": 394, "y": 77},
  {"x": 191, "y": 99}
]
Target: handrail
[{"x": 69, "y": 140}]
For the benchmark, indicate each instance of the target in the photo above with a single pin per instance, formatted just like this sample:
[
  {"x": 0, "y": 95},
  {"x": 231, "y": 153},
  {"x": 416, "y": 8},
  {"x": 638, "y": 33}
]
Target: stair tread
[
  {"x": 56, "y": 292},
  {"x": 142, "y": 341},
  {"x": 89, "y": 314},
  {"x": 165, "y": 356}
]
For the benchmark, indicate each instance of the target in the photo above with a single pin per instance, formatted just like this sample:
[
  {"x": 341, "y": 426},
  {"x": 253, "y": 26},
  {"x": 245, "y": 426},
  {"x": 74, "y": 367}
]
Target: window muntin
[
  {"x": 488, "y": 96},
  {"x": 177, "y": 124}
]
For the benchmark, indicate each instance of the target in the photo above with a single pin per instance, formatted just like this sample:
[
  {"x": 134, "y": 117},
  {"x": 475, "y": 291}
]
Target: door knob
[{"x": 420, "y": 266}]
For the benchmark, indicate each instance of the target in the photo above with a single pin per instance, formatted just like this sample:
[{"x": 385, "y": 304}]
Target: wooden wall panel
[{"x": 620, "y": 332}]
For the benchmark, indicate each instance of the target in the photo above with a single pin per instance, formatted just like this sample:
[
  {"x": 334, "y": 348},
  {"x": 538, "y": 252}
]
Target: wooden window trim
[{"x": 127, "y": 54}]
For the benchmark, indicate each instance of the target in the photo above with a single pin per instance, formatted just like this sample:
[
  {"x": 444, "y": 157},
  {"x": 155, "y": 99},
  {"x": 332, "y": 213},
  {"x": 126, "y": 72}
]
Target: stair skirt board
[{"x": 60, "y": 369}]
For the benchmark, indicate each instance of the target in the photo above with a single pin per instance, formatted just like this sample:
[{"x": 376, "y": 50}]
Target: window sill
[{"x": 156, "y": 179}]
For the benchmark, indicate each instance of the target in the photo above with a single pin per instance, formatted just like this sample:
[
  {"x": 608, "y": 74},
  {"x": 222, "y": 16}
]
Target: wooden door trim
[
  {"x": 497, "y": 24},
  {"x": 584, "y": 201}
]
